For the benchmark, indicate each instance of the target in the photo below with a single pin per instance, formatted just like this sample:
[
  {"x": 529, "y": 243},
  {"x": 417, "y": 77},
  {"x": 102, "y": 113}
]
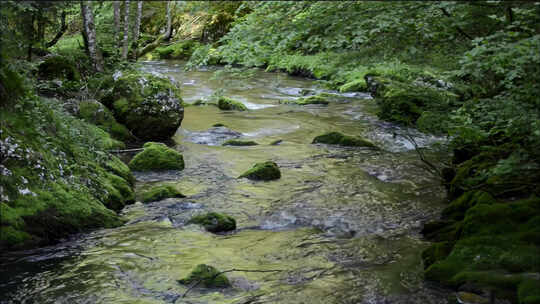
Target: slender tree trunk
[
  {"x": 116, "y": 6},
  {"x": 168, "y": 31},
  {"x": 126, "y": 30},
  {"x": 95, "y": 53},
  {"x": 30, "y": 37},
  {"x": 84, "y": 34},
  {"x": 63, "y": 29},
  {"x": 137, "y": 29}
]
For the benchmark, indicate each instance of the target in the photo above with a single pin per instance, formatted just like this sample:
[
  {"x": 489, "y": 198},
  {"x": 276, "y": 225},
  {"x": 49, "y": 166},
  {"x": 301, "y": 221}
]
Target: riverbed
[{"x": 340, "y": 226}]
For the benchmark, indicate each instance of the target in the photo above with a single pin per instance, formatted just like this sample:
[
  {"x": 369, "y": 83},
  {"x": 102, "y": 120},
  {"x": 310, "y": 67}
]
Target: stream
[{"x": 342, "y": 224}]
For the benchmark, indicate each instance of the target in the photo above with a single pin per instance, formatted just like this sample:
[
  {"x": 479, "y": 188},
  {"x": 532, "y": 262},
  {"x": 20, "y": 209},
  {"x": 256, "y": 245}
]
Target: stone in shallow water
[
  {"x": 156, "y": 157},
  {"x": 470, "y": 298},
  {"x": 236, "y": 142},
  {"x": 214, "y": 222},
  {"x": 336, "y": 138},
  {"x": 263, "y": 171},
  {"x": 161, "y": 192},
  {"x": 207, "y": 275}
]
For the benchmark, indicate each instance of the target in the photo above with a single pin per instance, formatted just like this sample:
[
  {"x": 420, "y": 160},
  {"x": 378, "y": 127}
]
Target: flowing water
[{"x": 340, "y": 226}]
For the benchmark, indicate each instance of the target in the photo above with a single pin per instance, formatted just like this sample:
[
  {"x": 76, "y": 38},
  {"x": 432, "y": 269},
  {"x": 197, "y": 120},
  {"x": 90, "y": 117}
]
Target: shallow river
[{"x": 341, "y": 225}]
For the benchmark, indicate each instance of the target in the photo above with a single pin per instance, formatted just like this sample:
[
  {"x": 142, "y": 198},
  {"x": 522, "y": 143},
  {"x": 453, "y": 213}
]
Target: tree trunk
[
  {"x": 95, "y": 53},
  {"x": 30, "y": 37},
  {"x": 126, "y": 30},
  {"x": 116, "y": 6},
  {"x": 168, "y": 31},
  {"x": 137, "y": 29},
  {"x": 63, "y": 29}
]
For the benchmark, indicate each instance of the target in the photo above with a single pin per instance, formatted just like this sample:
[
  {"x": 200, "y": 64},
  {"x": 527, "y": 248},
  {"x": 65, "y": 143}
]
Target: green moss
[
  {"x": 94, "y": 112},
  {"x": 263, "y": 171},
  {"x": 58, "y": 67},
  {"x": 161, "y": 192},
  {"x": 157, "y": 156},
  {"x": 227, "y": 104},
  {"x": 179, "y": 50},
  {"x": 358, "y": 85},
  {"x": 119, "y": 192},
  {"x": 208, "y": 276},
  {"x": 147, "y": 105},
  {"x": 336, "y": 138},
  {"x": 118, "y": 167},
  {"x": 529, "y": 291},
  {"x": 214, "y": 222},
  {"x": 436, "y": 252},
  {"x": 235, "y": 142},
  {"x": 321, "y": 99}
]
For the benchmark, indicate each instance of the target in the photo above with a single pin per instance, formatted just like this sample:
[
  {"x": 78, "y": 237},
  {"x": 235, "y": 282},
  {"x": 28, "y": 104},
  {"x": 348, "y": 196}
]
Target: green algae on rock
[
  {"x": 157, "y": 157},
  {"x": 214, "y": 222},
  {"x": 315, "y": 99},
  {"x": 236, "y": 142},
  {"x": 227, "y": 104},
  {"x": 148, "y": 105},
  {"x": 206, "y": 276},
  {"x": 336, "y": 138},
  {"x": 263, "y": 171},
  {"x": 161, "y": 192}
]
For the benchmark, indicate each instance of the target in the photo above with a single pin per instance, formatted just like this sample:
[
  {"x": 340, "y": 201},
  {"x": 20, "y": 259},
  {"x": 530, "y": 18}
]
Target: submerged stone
[
  {"x": 315, "y": 99},
  {"x": 263, "y": 171},
  {"x": 236, "y": 142},
  {"x": 217, "y": 125},
  {"x": 149, "y": 106},
  {"x": 336, "y": 138},
  {"x": 227, "y": 104},
  {"x": 161, "y": 192},
  {"x": 206, "y": 276},
  {"x": 214, "y": 222},
  {"x": 157, "y": 157}
]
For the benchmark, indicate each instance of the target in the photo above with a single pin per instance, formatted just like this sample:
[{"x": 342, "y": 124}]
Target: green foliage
[
  {"x": 263, "y": 171},
  {"x": 94, "y": 112},
  {"x": 156, "y": 157},
  {"x": 58, "y": 67},
  {"x": 214, "y": 222},
  {"x": 208, "y": 276},
  {"x": 178, "y": 50},
  {"x": 336, "y": 138},
  {"x": 161, "y": 192}
]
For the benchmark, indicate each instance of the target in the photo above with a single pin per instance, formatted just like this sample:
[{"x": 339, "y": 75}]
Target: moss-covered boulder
[
  {"x": 314, "y": 99},
  {"x": 263, "y": 171},
  {"x": 336, "y": 138},
  {"x": 58, "y": 67},
  {"x": 178, "y": 50},
  {"x": 217, "y": 125},
  {"x": 206, "y": 276},
  {"x": 96, "y": 113},
  {"x": 227, "y": 104},
  {"x": 214, "y": 222},
  {"x": 161, "y": 192},
  {"x": 157, "y": 157},
  {"x": 358, "y": 85},
  {"x": 148, "y": 105},
  {"x": 236, "y": 142}
]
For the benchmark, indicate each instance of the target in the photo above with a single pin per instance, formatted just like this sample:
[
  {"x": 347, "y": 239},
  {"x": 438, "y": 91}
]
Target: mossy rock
[
  {"x": 161, "y": 192},
  {"x": 358, "y": 85},
  {"x": 118, "y": 167},
  {"x": 227, "y": 104},
  {"x": 208, "y": 276},
  {"x": 96, "y": 113},
  {"x": 178, "y": 50},
  {"x": 336, "y": 138},
  {"x": 263, "y": 171},
  {"x": 214, "y": 222},
  {"x": 157, "y": 157},
  {"x": 217, "y": 125},
  {"x": 276, "y": 142},
  {"x": 58, "y": 67},
  {"x": 236, "y": 142},
  {"x": 149, "y": 106},
  {"x": 320, "y": 99}
]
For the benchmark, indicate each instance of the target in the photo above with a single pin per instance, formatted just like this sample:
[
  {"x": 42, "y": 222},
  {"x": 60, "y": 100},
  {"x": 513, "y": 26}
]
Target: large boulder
[
  {"x": 157, "y": 157},
  {"x": 149, "y": 106}
]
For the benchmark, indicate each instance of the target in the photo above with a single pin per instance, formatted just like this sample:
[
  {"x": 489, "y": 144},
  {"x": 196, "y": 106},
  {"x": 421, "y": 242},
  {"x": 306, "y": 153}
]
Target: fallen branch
[{"x": 230, "y": 270}]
